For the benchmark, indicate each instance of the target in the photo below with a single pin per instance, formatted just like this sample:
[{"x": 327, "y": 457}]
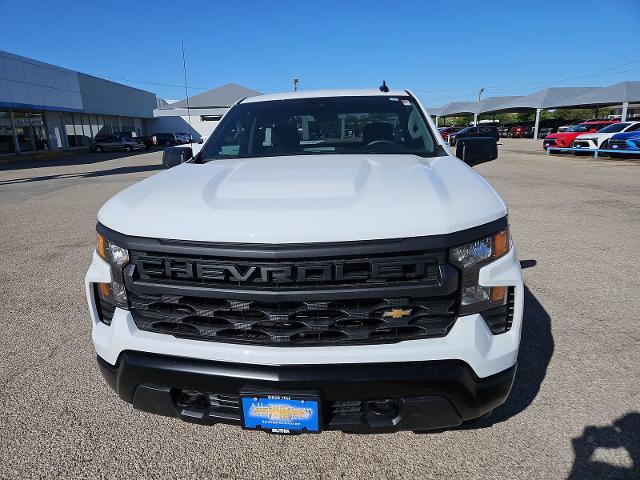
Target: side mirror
[
  {"x": 174, "y": 156},
  {"x": 476, "y": 150}
]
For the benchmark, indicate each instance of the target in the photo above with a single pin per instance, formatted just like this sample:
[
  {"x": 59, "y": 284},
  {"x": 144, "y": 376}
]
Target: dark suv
[
  {"x": 167, "y": 139},
  {"x": 479, "y": 131}
]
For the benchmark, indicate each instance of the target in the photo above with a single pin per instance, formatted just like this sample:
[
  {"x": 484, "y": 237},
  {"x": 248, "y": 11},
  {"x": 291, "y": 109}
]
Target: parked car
[
  {"x": 116, "y": 143},
  {"x": 626, "y": 141},
  {"x": 551, "y": 126},
  {"x": 480, "y": 131},
  {"x": 544, "y": 128},
  {"x": 445, "y": 131},
  {"x": 517, "y": 130},
  {"x": 601, "y": 138},
  {"x": 254, "y": 298},
  {"x": 148, "y": 140},
  {"x": 167, "y": 139},
  {"x": 564, "y": 139},
  {"x": 184, "y": 137},
  {"x": 503, "y": 130},
  {"x": 566, "y": 126}
]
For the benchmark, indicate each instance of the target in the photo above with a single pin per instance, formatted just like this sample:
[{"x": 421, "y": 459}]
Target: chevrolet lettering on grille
[{"x": 285, "y": 273}]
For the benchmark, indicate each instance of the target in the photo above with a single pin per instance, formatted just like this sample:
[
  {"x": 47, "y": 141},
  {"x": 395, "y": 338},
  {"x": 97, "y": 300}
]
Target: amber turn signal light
[
  {"x": 101, "y": 246},
  {"x": 501, "y": 243}
]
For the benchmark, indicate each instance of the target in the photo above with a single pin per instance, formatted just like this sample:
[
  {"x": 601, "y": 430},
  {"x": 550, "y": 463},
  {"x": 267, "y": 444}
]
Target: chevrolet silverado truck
[{"x": 322, "y": 262}]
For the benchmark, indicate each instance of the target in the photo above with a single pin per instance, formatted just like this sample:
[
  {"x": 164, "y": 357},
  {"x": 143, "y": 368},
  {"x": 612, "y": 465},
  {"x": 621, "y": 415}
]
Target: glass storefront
[
  {"x": 29, "y": 128},
  {"x": 6, "y": 133},
  {"x": 78, "y": 129}
]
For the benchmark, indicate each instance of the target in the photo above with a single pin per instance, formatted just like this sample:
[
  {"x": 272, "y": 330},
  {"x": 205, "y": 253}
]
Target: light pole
[
  {"x": 295, "y": 84},
  {"x": 475, "y": 116}
]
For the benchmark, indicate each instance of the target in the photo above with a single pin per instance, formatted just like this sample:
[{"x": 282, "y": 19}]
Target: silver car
[{"x": 117, "y": 143}]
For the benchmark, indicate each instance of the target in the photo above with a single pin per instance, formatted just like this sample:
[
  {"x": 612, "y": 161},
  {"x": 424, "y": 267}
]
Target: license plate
[
  {"x": 281, "y": 413},
  {"x": 578, "y": 146}
]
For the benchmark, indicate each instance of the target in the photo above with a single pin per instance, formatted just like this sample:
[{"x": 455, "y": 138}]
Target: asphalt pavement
[{"x": 574, "y": 411}]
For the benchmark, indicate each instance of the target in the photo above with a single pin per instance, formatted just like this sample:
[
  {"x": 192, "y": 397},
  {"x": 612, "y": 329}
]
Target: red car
[
  {"x": 445, "y": 131},
  {"x": 564, "y": 139},
  {"x": 517, "y": 131}
]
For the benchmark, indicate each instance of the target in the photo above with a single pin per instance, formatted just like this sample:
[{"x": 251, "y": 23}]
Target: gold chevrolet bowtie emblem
[{"x": 397, "y": 313}]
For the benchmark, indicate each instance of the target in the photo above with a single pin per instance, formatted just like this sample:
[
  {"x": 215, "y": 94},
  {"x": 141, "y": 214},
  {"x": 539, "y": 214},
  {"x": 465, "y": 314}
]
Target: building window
[
  {"x": 69, "y": 130},
  {"x": 6, "y": 133},
  {"x": 30, "y": 131},
  {"x": 99, "y": 126}
]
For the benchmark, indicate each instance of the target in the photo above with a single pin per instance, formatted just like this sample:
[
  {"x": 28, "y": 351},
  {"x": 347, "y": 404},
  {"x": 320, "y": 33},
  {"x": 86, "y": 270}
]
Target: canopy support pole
[
  {"x": 437, "y": 117},
  {"x": 536, "y": 127},
  {"x": 475, "y": 119},
  {"x": 625, "y": 107}
]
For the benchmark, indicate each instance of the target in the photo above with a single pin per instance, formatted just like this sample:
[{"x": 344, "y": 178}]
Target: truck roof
[{"x": 324, "y": 93}]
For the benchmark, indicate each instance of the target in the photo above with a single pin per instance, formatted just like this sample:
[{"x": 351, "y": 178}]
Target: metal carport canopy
[
  {"x": 617, "y": 94},
  {"x": 472, "y": 108},
  {"x": 456, "y": 108},
  {"x": 543, "y": 99}
]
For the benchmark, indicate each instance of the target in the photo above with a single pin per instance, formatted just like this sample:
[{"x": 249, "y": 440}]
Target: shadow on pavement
[
  {"x": 536, "y": 350},
  {"x": 96, "y": 173},
  {"x": 624, "y": 433},
  {"x": 65, "y": 159},
  {"x": 524, "y": 264}
]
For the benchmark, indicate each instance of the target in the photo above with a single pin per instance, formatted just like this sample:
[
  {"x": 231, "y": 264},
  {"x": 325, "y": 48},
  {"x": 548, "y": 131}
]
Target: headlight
[
  {"x": 470, "y": 257},
  {"x": 118, "y": 258},
  {"x": 486, "y": 249}
]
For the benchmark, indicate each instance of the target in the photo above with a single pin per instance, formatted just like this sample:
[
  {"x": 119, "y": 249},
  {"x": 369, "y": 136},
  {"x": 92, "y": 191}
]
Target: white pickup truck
[{"x": 321, "y": 263}]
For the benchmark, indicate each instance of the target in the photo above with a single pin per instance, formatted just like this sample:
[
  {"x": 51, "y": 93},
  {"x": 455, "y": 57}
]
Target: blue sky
[{"x": 442, "y": 50}]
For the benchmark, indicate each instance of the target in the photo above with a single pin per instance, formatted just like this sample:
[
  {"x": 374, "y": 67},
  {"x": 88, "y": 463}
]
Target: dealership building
[{"x": 45, "y": 107}]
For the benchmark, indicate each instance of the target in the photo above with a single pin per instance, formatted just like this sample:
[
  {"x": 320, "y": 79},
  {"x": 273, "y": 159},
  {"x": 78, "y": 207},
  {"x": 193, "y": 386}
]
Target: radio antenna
[{"x": 186, "y": 90}]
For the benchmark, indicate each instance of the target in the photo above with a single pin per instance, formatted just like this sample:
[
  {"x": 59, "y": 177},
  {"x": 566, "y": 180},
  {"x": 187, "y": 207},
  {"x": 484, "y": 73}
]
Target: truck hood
[{"x": 304, "y": 199}]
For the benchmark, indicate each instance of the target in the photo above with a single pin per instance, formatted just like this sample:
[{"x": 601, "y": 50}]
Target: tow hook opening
[
  {"x": 385, "y": 408},
  {"x": 192, "y": 399}
]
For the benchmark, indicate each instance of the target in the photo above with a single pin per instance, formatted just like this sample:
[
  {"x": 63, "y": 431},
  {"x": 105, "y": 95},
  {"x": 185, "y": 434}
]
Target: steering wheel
[{"x": 377, "y": 142}]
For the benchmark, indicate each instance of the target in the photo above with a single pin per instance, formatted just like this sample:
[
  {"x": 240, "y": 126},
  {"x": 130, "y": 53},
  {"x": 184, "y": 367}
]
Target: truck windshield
[{"x": 343, "y": 125}]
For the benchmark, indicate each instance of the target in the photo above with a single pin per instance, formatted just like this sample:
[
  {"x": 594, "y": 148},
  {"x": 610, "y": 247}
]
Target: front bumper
[
  {"x": 428, "y": 383},
  {"x": 362, "y": 398},
  {"x": 469, "y": 340}
]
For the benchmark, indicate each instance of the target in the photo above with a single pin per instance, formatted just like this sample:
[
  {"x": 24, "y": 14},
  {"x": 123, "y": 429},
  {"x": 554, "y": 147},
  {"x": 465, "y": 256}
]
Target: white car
[
  {"x": 599, "y": 139},
  {"x": 290, "y": 278}
]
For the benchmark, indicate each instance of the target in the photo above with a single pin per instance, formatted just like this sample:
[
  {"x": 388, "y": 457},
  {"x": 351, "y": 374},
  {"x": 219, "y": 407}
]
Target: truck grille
[
  {"x": 371, "y": 320},
  {"x": 368, "y": 292}
]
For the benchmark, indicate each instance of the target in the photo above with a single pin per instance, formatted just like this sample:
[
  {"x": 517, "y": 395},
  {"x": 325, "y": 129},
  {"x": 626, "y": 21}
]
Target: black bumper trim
[{"x": 429, "y": 395}]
